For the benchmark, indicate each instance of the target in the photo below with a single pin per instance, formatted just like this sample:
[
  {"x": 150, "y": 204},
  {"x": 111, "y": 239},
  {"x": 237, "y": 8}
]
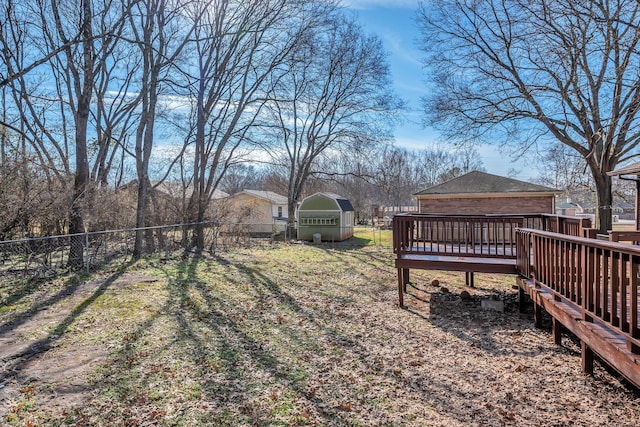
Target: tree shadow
[{"x": 15, "y": 362}]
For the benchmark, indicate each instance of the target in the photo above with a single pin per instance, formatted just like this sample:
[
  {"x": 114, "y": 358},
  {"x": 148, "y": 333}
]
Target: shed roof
[
  {"x": 477, "y": 182},
  {"x": 270, "y": 196},
  {"x": 344, "y": 203}
]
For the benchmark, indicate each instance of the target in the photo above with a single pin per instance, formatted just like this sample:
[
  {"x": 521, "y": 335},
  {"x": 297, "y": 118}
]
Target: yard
[{"x": 289, "y": 334}]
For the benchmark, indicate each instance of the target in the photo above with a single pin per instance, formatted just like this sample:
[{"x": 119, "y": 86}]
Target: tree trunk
[
  {"x": 291, "y": 221},
  {"x": 141, "y": 209},
  {"x": 605, "y": 201},
  {"x": 81, "y": 180}
]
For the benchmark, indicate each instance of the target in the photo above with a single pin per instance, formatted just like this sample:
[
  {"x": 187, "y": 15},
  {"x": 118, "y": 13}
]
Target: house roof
[
  {"x": 173, "y": 189},
  {"x": 477, "y": 182},
  {"x": 176, "y": 189},
  {"x": 632, "y": 169},
  {"x": 567, "y": 205},
  {"x": 270, "y": 196}
]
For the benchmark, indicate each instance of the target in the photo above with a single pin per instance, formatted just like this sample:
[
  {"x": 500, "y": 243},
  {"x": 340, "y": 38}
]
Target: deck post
[
  {"x": 587, "y": 358},
  {"x": 403, "y": 273},
  {"x": 469, "y": 279},
  {"x": 537, "y": 314},
  {"x": 522, "y": 299},
  {"x": 556, "y": 331}
]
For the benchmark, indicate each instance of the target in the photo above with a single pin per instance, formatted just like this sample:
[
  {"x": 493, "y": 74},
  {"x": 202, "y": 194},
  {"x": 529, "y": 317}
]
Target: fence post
[{"x": 86, "y": 245}]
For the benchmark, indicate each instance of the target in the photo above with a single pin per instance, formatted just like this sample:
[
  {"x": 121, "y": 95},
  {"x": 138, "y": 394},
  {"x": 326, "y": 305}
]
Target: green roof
[{"x": 477, "y": 182}]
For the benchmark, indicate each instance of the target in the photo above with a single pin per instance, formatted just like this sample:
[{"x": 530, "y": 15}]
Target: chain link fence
[{"x": 47, "y": 257}]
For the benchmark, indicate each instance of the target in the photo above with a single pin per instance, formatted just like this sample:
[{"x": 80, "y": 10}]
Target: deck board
[{"x": 457, "y": 263}]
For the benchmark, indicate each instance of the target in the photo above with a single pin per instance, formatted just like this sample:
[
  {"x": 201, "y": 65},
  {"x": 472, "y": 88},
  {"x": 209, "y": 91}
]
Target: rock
[
  {"x": 444, "y": 290},
  {"x": 491, "y": 304},
  {"x": 465, "y": 296},
  {"x": 435, "y": 282}
]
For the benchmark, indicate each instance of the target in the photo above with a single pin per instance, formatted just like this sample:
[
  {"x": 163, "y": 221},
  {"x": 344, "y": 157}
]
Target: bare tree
[
  {"x": 239, "y": 46},
  {"x": 545, "y": 71},
  {"x": 335, "y": 96},
  {"x": 15, "y": 18},
  {"x": 242, "y": 177},
  {"x": 566, "y": 170},
  {"x": 55, "y": 107},
  {"x": 161, "y": 34},
  {"x": 398, "y": 173}
]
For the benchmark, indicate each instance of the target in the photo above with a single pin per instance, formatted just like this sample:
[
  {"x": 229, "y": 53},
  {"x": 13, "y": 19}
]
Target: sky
[{"x": 393, "y": 21}]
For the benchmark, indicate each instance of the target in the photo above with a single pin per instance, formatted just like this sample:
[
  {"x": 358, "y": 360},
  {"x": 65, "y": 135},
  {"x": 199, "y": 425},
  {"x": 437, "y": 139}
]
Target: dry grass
[{"x": 289, "y": 334}]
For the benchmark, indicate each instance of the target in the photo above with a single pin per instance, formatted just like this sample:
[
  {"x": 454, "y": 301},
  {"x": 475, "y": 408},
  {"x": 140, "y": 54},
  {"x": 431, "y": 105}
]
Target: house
[
  {"x": 567, "y": 207},
  {"x": 327, "y": 214},
  {"x": 481, "y": 193},
  {"x": 262, "y": 212},
  {"x": 168, "y": 201}
]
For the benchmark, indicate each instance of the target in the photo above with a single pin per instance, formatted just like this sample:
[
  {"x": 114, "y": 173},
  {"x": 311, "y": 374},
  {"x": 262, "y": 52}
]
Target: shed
[
  {"x": 481, "y": 193},
  {"x": 330, "y": 215}
]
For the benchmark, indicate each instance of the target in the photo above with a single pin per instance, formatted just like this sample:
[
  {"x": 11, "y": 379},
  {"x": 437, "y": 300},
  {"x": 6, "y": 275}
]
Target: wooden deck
[
  {"x": 588, "y": 286},
  {"x": 473, "y": 244}
]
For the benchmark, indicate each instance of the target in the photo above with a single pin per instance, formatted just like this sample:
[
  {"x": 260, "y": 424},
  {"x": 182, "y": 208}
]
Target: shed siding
[
  {"x": 328, "y": 232},
  {"x": 489, "y": 205},
  {"x": 319, "y": 203}
]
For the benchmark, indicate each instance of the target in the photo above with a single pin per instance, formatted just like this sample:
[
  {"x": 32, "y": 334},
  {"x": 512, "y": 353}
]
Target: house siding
[
  {"x": 257, "y": 214},
  {"x": 487, "y": 205}
]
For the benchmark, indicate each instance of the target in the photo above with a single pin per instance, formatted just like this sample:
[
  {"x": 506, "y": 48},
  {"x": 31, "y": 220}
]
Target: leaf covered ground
[{"x": 289, "y": 334}]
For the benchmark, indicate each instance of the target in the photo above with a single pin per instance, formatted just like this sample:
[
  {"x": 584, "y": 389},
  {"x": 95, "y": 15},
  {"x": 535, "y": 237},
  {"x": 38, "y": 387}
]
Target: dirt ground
[
  {"x": 31, "y": 356},
  {"x": 442, "y": 361}
]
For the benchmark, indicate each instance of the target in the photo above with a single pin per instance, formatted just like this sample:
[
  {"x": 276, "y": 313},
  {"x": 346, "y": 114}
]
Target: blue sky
[{"x": 393, "y": 21}]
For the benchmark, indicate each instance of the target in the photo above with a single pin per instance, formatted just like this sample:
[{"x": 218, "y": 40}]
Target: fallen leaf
[{"x": 305, "y": 414}]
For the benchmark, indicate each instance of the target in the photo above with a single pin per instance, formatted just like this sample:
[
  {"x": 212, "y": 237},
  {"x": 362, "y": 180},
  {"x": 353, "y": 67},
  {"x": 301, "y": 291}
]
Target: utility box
[{"x": 317, "y": 238}]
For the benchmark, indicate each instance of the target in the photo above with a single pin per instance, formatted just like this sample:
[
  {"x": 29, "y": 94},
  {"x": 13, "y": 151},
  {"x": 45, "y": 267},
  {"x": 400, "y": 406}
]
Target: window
[
  {"x": 279, "y": 211},
  {"x": 318, "y": 221}
]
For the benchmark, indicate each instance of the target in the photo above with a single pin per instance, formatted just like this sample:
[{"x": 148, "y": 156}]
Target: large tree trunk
[
  {"x": 141, "y": 210},
  {"x": 81, "y": 180},
  {"x": 605, "y": 201},
  {"x": 76, "y": 220}
]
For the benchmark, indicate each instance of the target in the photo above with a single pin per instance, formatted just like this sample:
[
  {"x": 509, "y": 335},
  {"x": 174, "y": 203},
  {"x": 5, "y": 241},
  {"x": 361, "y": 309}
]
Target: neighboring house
[
  {"x": 480, "y": 193},
  {"x": 327, "y": 214},
  {"x": 169, "y": 201},
  {"x": 179, "y": 196},
  {"x": 623, "y": 210},
  {"x": 567, "y": 207},
  {"x": 260, "y": 211},
  {"x": 382, "y": 211}
]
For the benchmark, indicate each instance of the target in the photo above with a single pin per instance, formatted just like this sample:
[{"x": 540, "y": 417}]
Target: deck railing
[
  {"x": 473, "y": 235},
  {"x": 600, "y": 277}
]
